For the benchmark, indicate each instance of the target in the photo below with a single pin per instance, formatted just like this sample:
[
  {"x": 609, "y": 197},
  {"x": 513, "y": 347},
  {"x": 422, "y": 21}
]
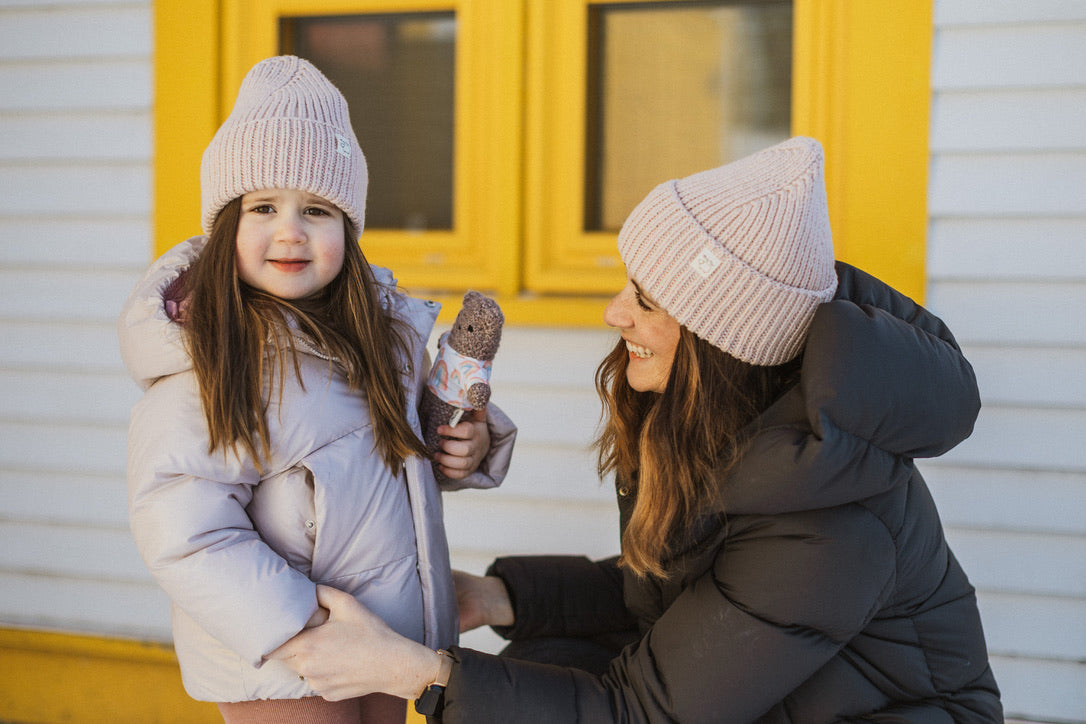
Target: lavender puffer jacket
[{"x": 239, "y": 552}]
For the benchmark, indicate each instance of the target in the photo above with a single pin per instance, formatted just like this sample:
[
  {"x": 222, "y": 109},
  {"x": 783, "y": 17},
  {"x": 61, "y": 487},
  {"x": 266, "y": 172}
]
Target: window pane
[
  {"x": 677, "y": 88},
  {"x": 396, "y": 72}
]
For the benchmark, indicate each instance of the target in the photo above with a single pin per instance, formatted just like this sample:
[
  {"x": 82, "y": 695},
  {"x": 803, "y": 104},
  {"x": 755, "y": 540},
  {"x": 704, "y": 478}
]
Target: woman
[{"x": 782, "y": 559}]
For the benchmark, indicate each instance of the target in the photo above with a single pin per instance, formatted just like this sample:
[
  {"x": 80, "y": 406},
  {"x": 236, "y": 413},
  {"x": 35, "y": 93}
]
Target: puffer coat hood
[{"x": 240, "y": 551}]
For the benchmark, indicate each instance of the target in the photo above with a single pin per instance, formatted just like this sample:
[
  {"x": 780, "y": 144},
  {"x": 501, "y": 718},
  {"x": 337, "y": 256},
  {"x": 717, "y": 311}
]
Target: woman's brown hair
[
  {"x": 669, "y": 449},
  {"x": 240, "y": 343}
]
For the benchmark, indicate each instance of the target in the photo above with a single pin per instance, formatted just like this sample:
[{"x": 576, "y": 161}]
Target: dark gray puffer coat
[{"x": 825, "y": 590}]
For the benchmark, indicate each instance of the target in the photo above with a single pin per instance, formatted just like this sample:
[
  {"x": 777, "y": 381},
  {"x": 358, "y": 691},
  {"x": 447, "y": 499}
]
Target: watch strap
[{"x": 432, "y": 699}]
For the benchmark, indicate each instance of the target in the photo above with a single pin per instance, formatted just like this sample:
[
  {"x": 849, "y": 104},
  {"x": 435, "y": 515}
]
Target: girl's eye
[
  {"x": 262, "y": 209},
  {"x": 316, "y": 211}
]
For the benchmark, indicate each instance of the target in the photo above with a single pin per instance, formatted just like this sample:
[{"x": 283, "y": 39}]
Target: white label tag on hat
[
  {"x": 705, "y": 263},
  {"x": 343, "y": 146}
]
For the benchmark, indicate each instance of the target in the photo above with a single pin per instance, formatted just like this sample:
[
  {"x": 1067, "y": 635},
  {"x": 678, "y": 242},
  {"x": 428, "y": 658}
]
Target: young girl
[{"x": 278, "y": 445}]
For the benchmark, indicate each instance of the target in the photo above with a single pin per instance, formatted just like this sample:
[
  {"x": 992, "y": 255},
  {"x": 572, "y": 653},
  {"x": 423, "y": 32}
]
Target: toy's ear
[{"x": 473, "y": 300}]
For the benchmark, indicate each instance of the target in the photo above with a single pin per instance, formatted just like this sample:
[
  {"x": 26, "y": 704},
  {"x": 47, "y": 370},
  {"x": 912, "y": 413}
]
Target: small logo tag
[
  {"x": 705, "y": 263},
  {"x": 343, "y": 146}
]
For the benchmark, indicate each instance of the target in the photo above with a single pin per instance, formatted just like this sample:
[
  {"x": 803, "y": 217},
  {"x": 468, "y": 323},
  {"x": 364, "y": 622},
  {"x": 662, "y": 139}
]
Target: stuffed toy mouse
[{"x": 460, "y": 377}]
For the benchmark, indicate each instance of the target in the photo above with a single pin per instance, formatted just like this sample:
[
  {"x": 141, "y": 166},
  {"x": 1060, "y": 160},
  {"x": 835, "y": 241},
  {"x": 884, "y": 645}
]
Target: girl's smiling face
[
  {"x": 651, "y": 336},
  {"x": 289, "y": 243}
]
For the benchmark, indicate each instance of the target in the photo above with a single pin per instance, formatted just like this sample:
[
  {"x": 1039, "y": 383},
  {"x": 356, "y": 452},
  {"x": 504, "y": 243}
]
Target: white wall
[
  {"x": 75, "y": 202},
  {"x": 1007, "y": 271}
]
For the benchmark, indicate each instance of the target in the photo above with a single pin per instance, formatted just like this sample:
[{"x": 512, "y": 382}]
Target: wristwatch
[{"x": 432, "y": 700}]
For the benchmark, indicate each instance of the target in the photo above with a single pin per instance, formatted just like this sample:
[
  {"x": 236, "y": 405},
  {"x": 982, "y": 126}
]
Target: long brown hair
[
  {"x": 669, "y": 448},
  {"x": 240, "y": 343}
]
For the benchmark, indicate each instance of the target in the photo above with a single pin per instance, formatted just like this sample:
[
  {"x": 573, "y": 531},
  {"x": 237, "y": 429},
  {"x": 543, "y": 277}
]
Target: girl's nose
[{"x": 289, "y": 230}]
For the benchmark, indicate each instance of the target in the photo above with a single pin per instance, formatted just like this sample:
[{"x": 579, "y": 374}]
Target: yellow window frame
[{"x": 860, "y": 85}]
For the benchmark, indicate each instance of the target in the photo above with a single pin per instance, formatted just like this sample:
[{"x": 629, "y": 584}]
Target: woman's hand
[
  {"x": 355, "y": 653},
  {"x": 319, "y": 617},
  {"x": 463, "y": 447},
  {"x": 483, "y": 601}
]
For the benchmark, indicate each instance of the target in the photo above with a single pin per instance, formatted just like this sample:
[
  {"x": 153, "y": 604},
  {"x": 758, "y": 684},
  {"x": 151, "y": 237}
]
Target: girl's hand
[
  {"x": 482, "y": 600},
  {"x": 463, "y": 447},
  {"x": 355, "y": 653}
]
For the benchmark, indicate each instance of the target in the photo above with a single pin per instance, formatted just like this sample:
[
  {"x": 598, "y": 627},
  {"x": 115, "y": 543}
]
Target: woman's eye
[{"x": 641, "y": 302}]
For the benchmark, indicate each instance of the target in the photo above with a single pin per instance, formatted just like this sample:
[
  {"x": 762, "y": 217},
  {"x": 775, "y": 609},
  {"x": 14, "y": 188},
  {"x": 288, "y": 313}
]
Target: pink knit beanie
[
  {"x": 289, "y": 129},
  {"x": 740, "y": 255}
]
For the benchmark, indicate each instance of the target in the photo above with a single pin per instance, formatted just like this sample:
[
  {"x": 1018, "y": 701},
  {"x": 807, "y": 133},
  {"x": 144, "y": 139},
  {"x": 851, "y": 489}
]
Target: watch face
[{"x": 432, "y": 700}]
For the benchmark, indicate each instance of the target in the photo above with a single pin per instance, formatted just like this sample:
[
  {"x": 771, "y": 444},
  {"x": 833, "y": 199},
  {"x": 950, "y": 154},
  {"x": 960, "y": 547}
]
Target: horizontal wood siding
[
  {"x": 75, "y": 161},
  {"x": 1007, "y": 271}
]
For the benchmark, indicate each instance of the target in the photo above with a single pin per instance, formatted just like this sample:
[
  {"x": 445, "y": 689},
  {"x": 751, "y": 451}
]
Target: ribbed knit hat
[
  {"x": 740, "y": 255},
  {"x": 289, "y": 129}
]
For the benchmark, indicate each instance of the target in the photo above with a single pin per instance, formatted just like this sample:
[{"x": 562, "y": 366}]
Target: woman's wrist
[
  {"x": 421, "y": 669},
  {"x": 499, "y": 603}
]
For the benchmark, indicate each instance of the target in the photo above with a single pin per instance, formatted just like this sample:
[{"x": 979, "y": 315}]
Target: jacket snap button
[{"x": 310, "y": 524}]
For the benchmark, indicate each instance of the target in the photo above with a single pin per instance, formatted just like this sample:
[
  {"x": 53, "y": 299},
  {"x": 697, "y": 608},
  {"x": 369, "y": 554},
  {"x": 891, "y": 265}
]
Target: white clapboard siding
[
  {"x": 986, "y": 12},
  {"x": 67, "y": 396},
  {"x": 1025, "y": 437},
  {"x": 1010, "y": 313},
  {"x": 75, "y": 200},
  {"x": 1000, "y": 248},
  {"x": 1018, "y": 119},
  {"x": 64, "y": 295},
  {"x": 124, "y": 608},
  {"x": 64, "y": 498},
  {"x": 70, "y": 242},
  {"x": 1012, "y": 562},
  {"x": 1041, "y": 689},
  {"x": 1009, "y": 376},
  {"x": 544, "y": 471},
  {"x": 1007, "y": 271},
  {"x": 107, "y": 84},
  {"x": 66, "y": 30},
  {"x": 88, "y": 189},
  {"x": 63, "y": 448},
  {"x": 73, "y": 345},
  {"x": 81, "y": 135},
  {"x": 16, "y": 5},
  {"x": 69, "y": 551},
  {"x": 564, "y": 527},
  {"x": 1047, "y": 183},
  {"x": 1018, "y": 55},
  {"x": 1032, "y": 625},
  {"x": 993, "y": 498}
]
